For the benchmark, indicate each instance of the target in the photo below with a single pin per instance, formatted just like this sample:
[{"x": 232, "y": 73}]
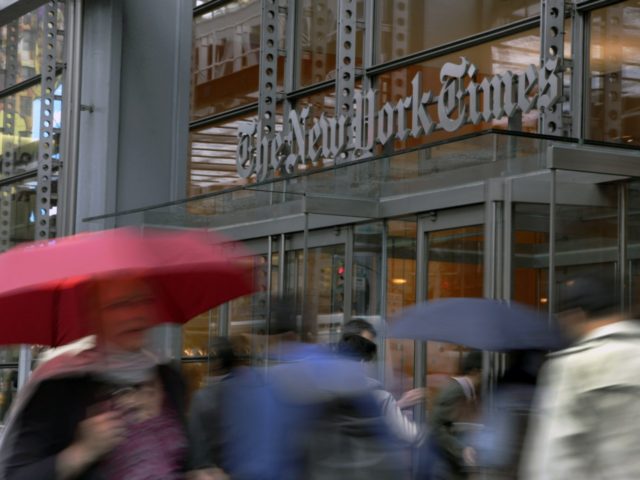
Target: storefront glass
[
  {"x": 409, "y": 26},
  {"x": 455, "y": 268}
]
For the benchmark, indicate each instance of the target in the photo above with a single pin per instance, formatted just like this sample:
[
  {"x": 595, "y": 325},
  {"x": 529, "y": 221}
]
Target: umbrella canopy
[
  {"x": 478, "y": 323},
  {"x": 43, "y": 284}
]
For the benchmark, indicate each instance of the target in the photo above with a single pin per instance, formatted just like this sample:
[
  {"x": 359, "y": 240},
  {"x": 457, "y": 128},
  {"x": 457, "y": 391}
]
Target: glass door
[{"x": 453, "y": 266}]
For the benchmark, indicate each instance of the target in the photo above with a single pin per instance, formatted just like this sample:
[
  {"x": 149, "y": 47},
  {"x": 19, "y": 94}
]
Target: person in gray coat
[{"x": 588, "y": 406}]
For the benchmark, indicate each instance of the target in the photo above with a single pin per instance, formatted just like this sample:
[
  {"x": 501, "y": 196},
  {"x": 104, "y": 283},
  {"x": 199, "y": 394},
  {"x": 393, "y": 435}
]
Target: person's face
[
  {"x": 572, "y": 322},
  {"x": 368, "y": 335},
  {"x": 125, "y": 312}
]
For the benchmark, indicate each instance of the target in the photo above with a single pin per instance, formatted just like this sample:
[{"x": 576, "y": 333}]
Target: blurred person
[
  {"x": 362, "y": 434},
  {"x": 267, "y": 411},
  {"x": 455, "y": 410},
  {"x": 105, "y": 412},
  {"x": 361, "y": 327},
  {"x": 588, "y": 406},
  {"x": 205, "y": 423},
  {"x": 504, "y": 422}
]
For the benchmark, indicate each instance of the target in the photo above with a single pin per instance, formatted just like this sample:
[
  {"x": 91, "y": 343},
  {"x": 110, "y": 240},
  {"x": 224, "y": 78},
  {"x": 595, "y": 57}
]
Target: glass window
[
  {"x": 531, "y": 255},
  {"x": 614, "y": 75},
  {"x": 318, "y": 36},
  {"x": 8, "y": 388},
  {"x": 367, "y": 270},
  {"x": 226, "y": 55},
  {"x": 17, "y": 211},
  {"x": 322, "y": 308},
  {"x": 401, "y": 293},
  {"x": 512, "y": 53},
  {"x": 454, "y": 269},
  {"x": 408, "y": 26},
  {"x": 212, "y": 162},
  {"x": 21, "y": 47}
]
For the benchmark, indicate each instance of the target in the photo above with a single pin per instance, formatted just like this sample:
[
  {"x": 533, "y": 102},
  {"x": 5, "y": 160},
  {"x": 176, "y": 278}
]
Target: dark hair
[
  {"x": 356, "y": 326},
  {"x": 357, "y": 347},
  {"x": 221, "y": 351},
  {"x": 472, "y": 361},
  {"x": 283, "y": 316},
  {"x": 595, "y": 294}
]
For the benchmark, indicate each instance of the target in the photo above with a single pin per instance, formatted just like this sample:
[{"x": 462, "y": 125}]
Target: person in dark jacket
[
  {"x": 106, "y": 412},
  {"x": 454, "y": 412}
]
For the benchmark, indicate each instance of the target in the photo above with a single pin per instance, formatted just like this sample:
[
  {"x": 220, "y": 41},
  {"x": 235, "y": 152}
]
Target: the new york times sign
[{"x": 462, "y": 99}]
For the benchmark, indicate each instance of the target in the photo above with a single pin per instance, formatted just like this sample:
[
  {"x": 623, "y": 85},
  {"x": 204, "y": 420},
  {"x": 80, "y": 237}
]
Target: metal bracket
[{"x": 552, "y": 47}]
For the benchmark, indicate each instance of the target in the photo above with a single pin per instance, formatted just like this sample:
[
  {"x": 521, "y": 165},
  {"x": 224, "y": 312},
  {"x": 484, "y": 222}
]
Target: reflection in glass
[
  {"x": 212, "y": 162},
  {"x": 26, "y": 42},
  {"x": 321, "y": 305},
  {"x": 318, "y": 41},
  {"x": 409, "y": 26},
  {"x": 367, "y": 270},
  {"x": 512, "y": 53},
  {"x": 401, "y": 293},
  {"x": 198, "y": 332},
  {"x": 318, "y": 27},
  {"x": 531, "y": 255},
  {"x": 226, "y": 54},
  {"x": 454, "y": 269},
  {"x": 633, "y": 247},
  {"x": 587, "y": 233},
  {"x": 18, "y": 215},
  {"x": 8, "y": 388},
  {"x": 614, "y": 115}
]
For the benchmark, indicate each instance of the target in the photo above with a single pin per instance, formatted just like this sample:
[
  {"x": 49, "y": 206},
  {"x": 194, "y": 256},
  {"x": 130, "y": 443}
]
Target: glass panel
[
  {"x": 212, "y": 161},
  {"x": 408, "y": 26},
  {"x": 454, "y": 269},
  {"x": 21, "y": 130},
  {"x": 226, "y": 54},
  {"x": 8, "y": 388},
  {"x": 197, "y": 333},
  {"x": 587, "y": 230},
  {"x": 633, "y": 247},
  {"x": 322, "y": 311},
  {"x": 531, "y": 255},
  {"x": 318, "y": 41},
  {"x": 513, "y": 53},
  {"x": 18, "y": 212},
  {"x": 614, "y": 115},
  {"x": 401, "y": 293},
  {"x": 367, "y": 271}
]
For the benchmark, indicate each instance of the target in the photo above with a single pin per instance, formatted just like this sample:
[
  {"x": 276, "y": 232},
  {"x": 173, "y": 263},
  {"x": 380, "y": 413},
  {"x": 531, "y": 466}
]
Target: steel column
[
  {"x": 46, "y": 148},
  {"x": 552, "y": 47}
]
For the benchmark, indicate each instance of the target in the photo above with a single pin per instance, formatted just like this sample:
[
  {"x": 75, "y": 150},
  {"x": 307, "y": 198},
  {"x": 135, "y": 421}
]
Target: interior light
[
  {"x": 398, "y": 281},
  {"x": 544, "y": 300}
]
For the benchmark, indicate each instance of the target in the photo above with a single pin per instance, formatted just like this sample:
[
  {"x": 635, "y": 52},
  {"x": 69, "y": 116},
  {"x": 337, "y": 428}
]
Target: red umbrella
[{"x": 42, "y": 283}]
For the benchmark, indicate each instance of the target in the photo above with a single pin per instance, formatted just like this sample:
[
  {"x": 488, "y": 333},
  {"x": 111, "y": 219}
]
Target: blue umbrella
[{"x": 478, "y": 323}]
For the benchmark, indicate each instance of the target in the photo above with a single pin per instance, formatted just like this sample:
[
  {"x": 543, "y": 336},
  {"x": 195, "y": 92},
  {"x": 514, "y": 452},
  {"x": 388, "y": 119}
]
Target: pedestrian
[
  {"x": 111, "y": 411},
  {"x": 206, "y": 423},
  {"x": 454, "y": 414},
  {"x": 588, "y": 402}
]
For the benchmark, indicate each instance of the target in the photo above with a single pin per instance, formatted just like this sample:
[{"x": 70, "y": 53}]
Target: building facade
[{"x": 371, "y": 154}]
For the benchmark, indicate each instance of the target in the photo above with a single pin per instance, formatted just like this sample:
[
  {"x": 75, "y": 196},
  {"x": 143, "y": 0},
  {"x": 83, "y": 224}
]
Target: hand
[
  {"x": 95, "y": 437},
  {"x": 469, "y": 456},
  {"x": 98, "y": 435},
  {"x": 412, "y": 397},
  {"x": 207, "y": 474}
]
